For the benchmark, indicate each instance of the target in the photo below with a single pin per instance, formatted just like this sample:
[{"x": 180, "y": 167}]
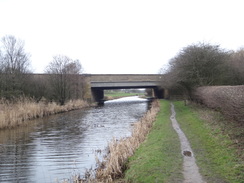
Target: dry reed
[
  {"x": 119, "y": 151},
  {"x": 24, "y": 109}
]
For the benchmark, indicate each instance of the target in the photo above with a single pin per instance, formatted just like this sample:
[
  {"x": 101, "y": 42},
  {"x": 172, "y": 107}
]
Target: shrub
[{"x": 228, "y": 99}]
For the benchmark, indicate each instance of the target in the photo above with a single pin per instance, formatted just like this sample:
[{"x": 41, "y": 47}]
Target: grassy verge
[
  {"x": 113, "y": 166},
  {"x": 213, "y": 149},
  {"x": 158, "y": 159}
]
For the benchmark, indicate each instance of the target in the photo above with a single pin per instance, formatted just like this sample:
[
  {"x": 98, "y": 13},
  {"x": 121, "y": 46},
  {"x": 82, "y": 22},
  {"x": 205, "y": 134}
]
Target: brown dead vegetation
[
  {"x": 17, "y": 113},
  {"x": 114, "y": 164},
  {"x": 227, "y": 99}
]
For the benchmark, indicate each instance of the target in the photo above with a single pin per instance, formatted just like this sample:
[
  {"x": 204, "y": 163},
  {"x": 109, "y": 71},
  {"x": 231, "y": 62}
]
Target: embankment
[{"x": 25, "y": 109}]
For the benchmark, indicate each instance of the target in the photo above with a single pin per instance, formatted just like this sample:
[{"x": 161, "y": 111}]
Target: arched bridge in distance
[{"x": 101, "y": 82}]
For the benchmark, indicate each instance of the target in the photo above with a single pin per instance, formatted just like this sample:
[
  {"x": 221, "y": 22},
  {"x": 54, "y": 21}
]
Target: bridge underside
[{"x": 97, "y": 88}]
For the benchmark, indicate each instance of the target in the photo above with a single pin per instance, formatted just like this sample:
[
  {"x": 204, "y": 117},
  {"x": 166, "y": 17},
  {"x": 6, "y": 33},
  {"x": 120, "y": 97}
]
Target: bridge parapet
[{"x": 125, "y": 77}]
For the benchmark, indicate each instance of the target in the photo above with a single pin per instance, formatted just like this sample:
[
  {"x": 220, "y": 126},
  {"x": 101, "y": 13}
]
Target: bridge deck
[{"x": 120, "y": 85}]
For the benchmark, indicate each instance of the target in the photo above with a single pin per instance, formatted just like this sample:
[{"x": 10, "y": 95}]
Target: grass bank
[
  {"x": 158, "y": 159},
  {"x": 115, "y": 95},
  {"x": 216, "y": 154},
  {"x": 113, "y": 166},
  {"x": 25, "y": 109}
]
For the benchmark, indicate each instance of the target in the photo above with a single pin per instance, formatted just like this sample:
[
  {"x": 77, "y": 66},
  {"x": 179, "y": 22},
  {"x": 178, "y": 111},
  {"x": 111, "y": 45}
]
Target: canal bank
[
  {"x": 160, "y": 159},
  {"x": 21, "y": 111}
]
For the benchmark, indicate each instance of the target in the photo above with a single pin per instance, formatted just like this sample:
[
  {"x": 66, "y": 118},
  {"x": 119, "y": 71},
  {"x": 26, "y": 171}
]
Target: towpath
[{"x": 190, "y": 168}]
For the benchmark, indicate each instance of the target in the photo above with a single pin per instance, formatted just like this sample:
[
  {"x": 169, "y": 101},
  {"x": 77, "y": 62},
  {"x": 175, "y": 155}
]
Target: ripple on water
[{"x": 57, "y": 146}]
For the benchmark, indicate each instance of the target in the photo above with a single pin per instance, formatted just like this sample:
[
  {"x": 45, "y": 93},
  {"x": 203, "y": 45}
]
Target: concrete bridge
[{"x": 101, "y": 82}]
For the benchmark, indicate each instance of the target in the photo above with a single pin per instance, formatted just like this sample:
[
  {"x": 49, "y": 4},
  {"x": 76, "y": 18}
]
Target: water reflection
[
  {"x": 57, "y": 146},
  {"x": 14, "y": 158}
]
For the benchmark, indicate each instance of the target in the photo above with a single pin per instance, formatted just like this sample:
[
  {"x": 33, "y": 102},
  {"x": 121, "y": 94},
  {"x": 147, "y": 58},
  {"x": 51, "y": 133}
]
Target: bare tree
[
  {"x": 236, "y": 67},
  {"x": 64, "y": 78},
  {"x": 197, "y": 65},
  {"x": 1, "y": 61},
  {"x": 1, "y": 75},
  {"x": 15, "y": 64},
  {"x": 16, "y": 60}
]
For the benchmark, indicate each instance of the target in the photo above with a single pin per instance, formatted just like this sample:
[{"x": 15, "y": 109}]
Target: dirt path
[{"x": 190, "y": 169}]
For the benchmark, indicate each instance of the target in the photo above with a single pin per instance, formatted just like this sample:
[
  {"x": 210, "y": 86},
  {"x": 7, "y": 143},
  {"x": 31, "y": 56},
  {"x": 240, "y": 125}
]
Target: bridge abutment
[
  {"x": 161, "y": 93},
  {"x": 97, "y": 94}
]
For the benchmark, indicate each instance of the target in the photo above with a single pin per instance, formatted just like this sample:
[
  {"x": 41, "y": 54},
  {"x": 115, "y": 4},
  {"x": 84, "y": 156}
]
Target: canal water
[{"x": 57, "y": 147}]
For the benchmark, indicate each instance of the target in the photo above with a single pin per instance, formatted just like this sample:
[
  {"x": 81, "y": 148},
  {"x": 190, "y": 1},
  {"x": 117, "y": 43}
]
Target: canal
[{"x": 57, "y": 147}]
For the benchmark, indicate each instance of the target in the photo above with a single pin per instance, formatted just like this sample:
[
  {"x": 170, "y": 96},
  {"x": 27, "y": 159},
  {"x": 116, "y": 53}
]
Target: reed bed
[
  {"x": 17, "y": 113},
  {"x": 114, "y": 164}
]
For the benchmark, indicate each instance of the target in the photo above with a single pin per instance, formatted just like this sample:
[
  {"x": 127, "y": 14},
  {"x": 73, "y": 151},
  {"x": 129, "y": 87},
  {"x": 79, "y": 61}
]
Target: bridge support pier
[
  {"x": 97, "y": 95},
  {"x": 161, "y": 93}
]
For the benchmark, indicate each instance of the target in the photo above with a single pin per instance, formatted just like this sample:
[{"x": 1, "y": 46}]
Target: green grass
[
  {"x": 121, "y": 94},
  {"x": 158, "y": 159},
  {"x": 213, "y": 150}
]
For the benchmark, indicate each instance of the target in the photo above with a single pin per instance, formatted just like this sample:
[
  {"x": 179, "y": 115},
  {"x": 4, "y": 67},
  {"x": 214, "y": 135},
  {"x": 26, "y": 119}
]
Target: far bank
[{"x": 23, "y": 110}]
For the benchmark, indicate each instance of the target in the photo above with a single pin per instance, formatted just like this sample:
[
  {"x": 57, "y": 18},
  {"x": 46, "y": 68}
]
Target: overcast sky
[{"x": 120, "y": 36}]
